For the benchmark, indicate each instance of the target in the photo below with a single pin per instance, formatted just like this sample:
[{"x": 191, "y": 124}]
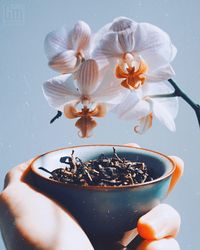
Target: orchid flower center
[
  {"x": 80, "y": 56},
  {"x": 85, "y": 100},
  {"x": 80, "y": 59},
  {"x": 132, "y": 70}
]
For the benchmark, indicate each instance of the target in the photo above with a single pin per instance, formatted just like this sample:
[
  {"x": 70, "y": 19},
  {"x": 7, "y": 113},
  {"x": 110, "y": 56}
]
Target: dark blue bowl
[{"x": 106, "y": 212}]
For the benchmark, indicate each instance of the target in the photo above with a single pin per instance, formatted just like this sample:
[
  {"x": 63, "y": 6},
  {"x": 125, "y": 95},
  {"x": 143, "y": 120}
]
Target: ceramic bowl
[{"x": 106, "y": 212}]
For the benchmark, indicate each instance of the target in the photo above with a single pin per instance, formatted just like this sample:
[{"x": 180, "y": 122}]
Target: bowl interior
[{"x": 158, "y": 164}]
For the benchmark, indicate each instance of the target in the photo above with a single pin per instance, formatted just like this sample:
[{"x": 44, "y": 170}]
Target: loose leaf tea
[{"x": 104, "y": 171}]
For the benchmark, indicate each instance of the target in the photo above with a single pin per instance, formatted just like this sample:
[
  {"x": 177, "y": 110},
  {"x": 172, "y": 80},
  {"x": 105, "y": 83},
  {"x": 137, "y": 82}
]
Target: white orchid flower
[
  {"x": 88, "y": 95},
  {"x": 141, "y": 51},
  {"x": 66, "y": 50},
  {"x": 148, "y": 102},
  {"x": 123, "y": 66}
]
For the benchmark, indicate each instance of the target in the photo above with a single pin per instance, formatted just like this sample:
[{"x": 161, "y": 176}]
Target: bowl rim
[{"x": 103, "y": 188}]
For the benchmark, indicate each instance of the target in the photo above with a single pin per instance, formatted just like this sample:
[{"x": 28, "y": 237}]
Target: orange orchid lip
[
  {"x": 85, "y": 123},
  {"x": 133, "y": 78}
]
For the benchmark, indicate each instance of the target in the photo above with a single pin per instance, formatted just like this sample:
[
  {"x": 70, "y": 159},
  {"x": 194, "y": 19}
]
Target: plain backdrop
[{"x": 24, "y": 113}]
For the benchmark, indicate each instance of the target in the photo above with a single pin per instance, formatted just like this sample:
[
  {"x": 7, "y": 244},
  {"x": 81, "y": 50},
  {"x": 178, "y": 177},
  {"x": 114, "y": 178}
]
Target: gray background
[{"x": 24, "y": 114}]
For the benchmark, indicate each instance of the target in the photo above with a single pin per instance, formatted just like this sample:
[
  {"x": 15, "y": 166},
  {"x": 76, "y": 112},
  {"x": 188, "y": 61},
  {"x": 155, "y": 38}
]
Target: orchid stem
[
  {"x": 59, "y": 114},
  {"x": 178, "y": 92},
  {"x": 163, "y": 95}
]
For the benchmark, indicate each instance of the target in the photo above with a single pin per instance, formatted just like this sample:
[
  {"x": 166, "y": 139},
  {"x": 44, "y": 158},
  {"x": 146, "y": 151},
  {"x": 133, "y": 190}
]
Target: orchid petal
[
  {"x": 154, "y": 45},
  {"x": 132, "y": 108},
  {"x": 115, "y": 38},
  {"x": 123, "y": 23},
  {"x": 136, "y": 112},
  {"x": 125, "y": 28},
  {"x": 87, "y": 77},
  {"x": 163, "y": 112},
  {"x": 145, "y": 123},
  {"x": 163, "y": 73},
  {"x": 59, "y": 41},
  {"x": 170, "y": 104},
  {"x": 59, "y": 91},
  {"x": 110, "y": 91},
  {"x": 65, "y": 62},
  {"x": 108, "y": 47},
  {"x": 112, "y": 95},
  {"x": 96, "y": 37},
  {"x": 97, "y": 45},
  {"x": 155, "y": 88},
  {"x": 79, "y": 37},
  {"x": 126, "y": 40},
  {"x": 55, "y": 43}
]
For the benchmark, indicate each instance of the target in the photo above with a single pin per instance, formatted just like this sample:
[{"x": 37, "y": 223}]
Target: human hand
[
  {"x": 37, "y": 222},
  {"x": 29, "y": 220},
  {"x": 159, "y": 226}
]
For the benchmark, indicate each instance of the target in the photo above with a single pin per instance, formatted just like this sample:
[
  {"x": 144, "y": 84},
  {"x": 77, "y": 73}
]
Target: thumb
[{"x": 16, "y": 174}]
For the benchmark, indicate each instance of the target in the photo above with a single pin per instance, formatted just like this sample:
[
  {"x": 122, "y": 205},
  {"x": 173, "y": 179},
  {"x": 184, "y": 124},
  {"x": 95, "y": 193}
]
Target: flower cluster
[{"x": 122, "y": 68}]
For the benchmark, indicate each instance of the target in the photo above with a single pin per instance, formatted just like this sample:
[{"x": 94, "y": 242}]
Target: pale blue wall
[{"x": 24, "y": 116}]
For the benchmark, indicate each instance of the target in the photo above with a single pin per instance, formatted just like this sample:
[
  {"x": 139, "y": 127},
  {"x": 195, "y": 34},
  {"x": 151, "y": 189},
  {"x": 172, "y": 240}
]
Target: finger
[
  {"x": 128, "y": 237},
  {"x": 162, "y": 221},
  {"x": 16, "y": 173},
  {"x": 135, "y": 145},
  {"x": 163, "y": 244},
  {"x": 179, "y": 168}
]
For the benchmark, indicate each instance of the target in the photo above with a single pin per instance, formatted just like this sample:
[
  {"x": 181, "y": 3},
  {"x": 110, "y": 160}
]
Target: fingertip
[
  {"x": 178, "y": 161},
  {"x": 178, "y": 172},
  {"x": 162, "y": 221}
]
